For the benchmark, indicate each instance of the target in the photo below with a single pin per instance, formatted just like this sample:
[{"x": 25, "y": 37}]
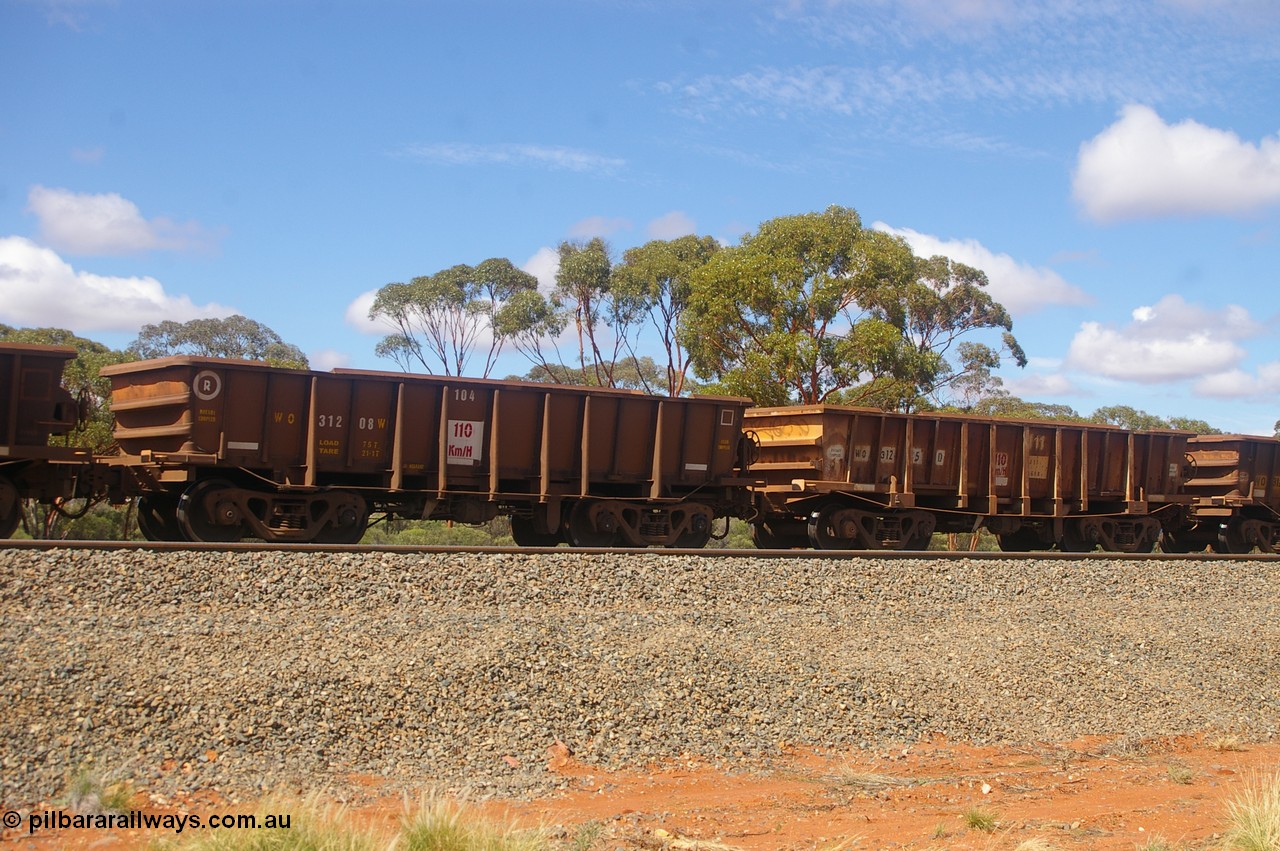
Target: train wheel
[
  {"x": 524, "y": 531},
  {"x": 10, "y": 508},
  {"x": 350, "y": 533},
  {"x": 158, "y": 517},
  {"x": 823, "y": 533},
  {"x": 581, "y": 532},
  {"x": 1234, "y": 541},
  {"x": 198, "y": 509}
]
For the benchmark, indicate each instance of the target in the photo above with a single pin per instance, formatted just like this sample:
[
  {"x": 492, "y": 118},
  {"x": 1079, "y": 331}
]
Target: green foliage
[
  {"x": 436, "y": 533},
  {"x": 737, "y": 538},
  {"x": 102, "y": 522},
  {"x": 630, "y": 373},
  {"x": 780, "y": 316},
  {"x": 233, "y": 337},
  {"x": 656, "y": 279},
  {"x": 603, "y": 320},
  {"x": 1011, "y": 407},
  {"x": 528, "y": 320},
  {"x": 1002, "y": 405},
  {"x": 1192, "y": 424},
  {"x": 1130, "y": 418},
  {"x": 814, "y": 308},
  {"x": 441, "y": 319}
]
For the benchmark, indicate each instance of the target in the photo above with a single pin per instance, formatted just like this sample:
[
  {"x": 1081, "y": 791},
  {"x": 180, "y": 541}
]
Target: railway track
[{"x": 885, "y": 555}]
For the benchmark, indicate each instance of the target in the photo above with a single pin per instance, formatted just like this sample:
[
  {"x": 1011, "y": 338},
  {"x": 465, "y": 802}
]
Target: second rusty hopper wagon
[
  {"x": 1233, "y": 487},
  {"x": 855, "y": 478},
  {"x": 33, "y": 406},
  {"x": 218, "y": 450}
]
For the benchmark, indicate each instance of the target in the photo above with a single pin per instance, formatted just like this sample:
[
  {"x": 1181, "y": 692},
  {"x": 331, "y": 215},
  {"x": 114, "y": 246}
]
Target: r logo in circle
[{"x": 207, "y": 385}]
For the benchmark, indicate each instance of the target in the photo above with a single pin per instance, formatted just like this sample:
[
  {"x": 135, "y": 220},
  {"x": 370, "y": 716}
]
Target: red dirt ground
[{"x": 1094, "y": 793}]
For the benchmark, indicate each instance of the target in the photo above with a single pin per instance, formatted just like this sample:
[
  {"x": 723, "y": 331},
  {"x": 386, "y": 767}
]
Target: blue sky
[{"x": 1113, "y": 165}]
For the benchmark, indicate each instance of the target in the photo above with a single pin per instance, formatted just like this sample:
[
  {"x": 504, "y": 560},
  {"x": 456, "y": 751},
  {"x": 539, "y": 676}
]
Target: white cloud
[
  {"x": 1034, "y": 386},
  {"x": 1238, "y": 384},
  {"x": 594, "y": 226},
  {"x": 1140, "y": 166},
  {"x": 1019, "y": 286},
  {"x": 357, "y": 315},
  {"x": 39, "y": 288},
  {"x": 108, "y": 224},
  {"x": 543, "y": 265},
  {"x": 538, "y": 156},
  {"x": 327, "y": 359},
  {"x": 1171, "y": 340},
  {"x": 671, "y": 226}
]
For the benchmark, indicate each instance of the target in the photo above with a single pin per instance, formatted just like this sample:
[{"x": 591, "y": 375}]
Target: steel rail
[{"x": 890, "y": 555}]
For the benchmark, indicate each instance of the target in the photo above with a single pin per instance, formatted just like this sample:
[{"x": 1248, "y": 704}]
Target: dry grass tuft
[
  {"x": 976, "y": 818},
  {"x": 1253, "y": 816}
]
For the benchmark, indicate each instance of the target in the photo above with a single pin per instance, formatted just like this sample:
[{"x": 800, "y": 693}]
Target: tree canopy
[
  {"x": 440, "y": 320},
  {"x": 815, "y": 308},
  {"x": 1003, "y": 405},
  {"x": 232, "y": 337},
  {"x": 656, "y": 279},
  {"x": 1130, "y": 418}
]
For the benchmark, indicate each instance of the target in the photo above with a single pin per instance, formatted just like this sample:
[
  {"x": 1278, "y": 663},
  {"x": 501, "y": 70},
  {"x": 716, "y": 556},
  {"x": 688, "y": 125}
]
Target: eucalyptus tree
[
  {"x": 231, "y": 337},
  {"x": 814, "y": 308},
  {"x": 640, "y": 373},
  {"x": 440, "y": 320},
  {"x": 1131, "y": 418},
  {"x": 532, "y": 323},
  {"x": 656, "y": 278}
]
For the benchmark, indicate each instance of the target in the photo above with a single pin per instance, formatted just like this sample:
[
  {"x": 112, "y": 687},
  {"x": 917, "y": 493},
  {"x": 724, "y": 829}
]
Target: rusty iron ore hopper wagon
[
  {"x": 853, "y": 478},
  {"x": 218, "y": 450},
  {"x": 34, "y": 406},
  {"x": 1232, "y": 483}
]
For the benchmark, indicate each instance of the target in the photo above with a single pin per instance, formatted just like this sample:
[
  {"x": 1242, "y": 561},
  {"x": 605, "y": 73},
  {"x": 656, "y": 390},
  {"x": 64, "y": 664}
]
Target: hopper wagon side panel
[{"x": 33, "y": 402}]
